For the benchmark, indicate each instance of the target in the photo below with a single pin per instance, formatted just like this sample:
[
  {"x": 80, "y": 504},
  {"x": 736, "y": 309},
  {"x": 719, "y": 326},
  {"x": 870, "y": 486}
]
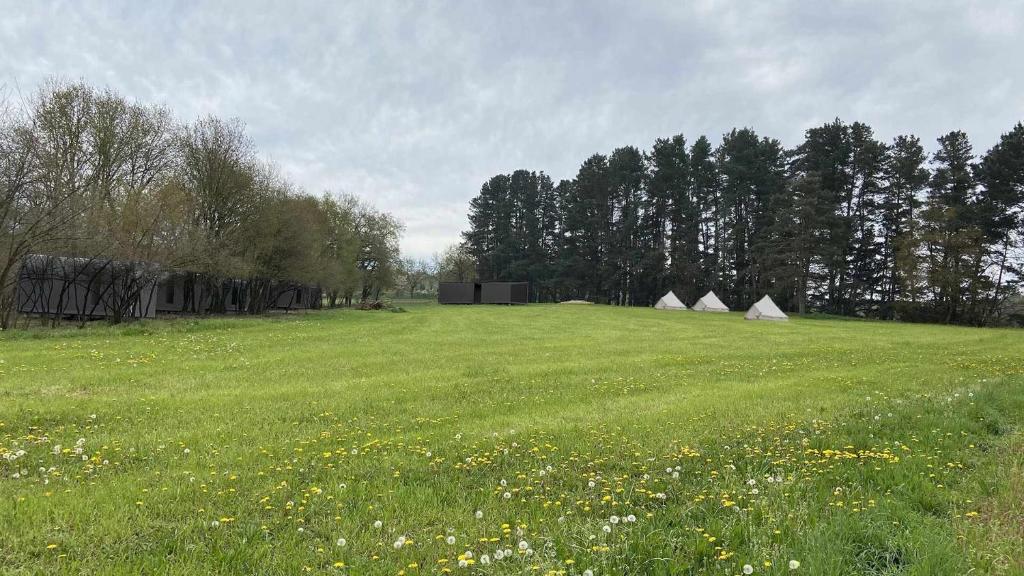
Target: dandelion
[
  {"x": 794, "y": 564},
  {"x": 479, "y": 514},
  {"x": 378, "y": 524},
  {"x": 341, "y": 542},
  {"x": 631, "y": 518},
  {"x": 450, "y": 540},
  {"x": 588, "y": 573},
  {"x": 748, "y": 569},
  {"x": 498, "y": 554},
  {"x": 524, "y": 545},
  {"x": 614, "y": 520},
  {"x": 485, "y": 559},
  {"x": 215, "y": 524},
  {"x": 507, "y": 495},
  {"x": 607, "y": 529}
]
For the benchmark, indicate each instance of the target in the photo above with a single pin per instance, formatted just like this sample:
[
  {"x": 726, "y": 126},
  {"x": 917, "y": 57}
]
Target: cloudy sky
[{"x": 411, "y": 105}]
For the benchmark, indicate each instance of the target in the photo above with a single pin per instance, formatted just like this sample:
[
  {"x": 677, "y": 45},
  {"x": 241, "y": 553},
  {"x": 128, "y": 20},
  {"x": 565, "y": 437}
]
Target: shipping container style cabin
[
  {"x": 505, "y": 293},
  {"x": 458, "y": 293}
]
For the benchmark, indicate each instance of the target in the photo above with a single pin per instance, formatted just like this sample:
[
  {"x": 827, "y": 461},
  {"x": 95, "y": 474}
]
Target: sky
[{"x": 412, "y": 105}]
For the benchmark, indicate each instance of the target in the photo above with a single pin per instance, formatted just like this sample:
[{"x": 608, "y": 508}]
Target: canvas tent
[
  {"x": 670, "y": 302},
  {"x": 765, "y": 309},
  {"x": 710, "y": 303}
]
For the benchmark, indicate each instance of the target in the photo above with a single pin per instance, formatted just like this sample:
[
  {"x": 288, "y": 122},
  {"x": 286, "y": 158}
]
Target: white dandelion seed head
[
  {"x": 485, "y": 559},
  {"x": 378, "y": 524},
  {"x": 614, "y": 520},
  {"x": 794, "y": 564},
  {"x": 498, "y": 554},
  {"x": 588, "y": 573},
  {"x": 607, "y": 529},
  {"x": 748, "y": 569},
  {"x": 341, "y": 542},
  {"x": 631, "y": 518},
  {"x": 524, "y": 545},
  {"x": 450, "y": 540},
  {"x": 479, "y": 514}
]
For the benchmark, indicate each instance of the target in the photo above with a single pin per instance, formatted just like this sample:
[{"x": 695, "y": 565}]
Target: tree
[
  {"x": 952, "y": 240},
  {"x": 456, "y": 264},
  {"x": 905, "y": 179}
]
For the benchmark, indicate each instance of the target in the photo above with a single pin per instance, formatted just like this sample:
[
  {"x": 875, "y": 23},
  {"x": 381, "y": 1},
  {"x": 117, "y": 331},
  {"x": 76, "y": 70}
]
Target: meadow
[{"x": 545, "y": 439}]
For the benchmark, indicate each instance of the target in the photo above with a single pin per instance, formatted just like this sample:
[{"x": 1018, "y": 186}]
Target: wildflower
[
  {"x": 607, "y": 529},
  {"x": 341, "y": 542},
  {"x": 631, "y": 518},
  {"x": 523, "y": 545},
  {"x": 748, "y": 569},
  {"x": 215, "y": 524},
  {"x": 506, "y": 495},
  {"x": 794, "y": 564},
  {"x": 479, "y": 514},
  {"x": 450, "y": 540},
  {"x": 614, "y": 520},
  {"x": 378, "y": 524},
  {"x": 498, "y": 555}
]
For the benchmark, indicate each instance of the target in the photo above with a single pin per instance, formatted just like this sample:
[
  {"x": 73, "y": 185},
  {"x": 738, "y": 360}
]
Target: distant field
[{"x": 542, "y": 439}]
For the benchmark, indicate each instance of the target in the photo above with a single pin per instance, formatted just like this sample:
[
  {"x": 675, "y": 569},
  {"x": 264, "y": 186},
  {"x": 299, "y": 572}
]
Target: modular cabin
[
  {"x": 183, "y": 293},
  {"x": 505, "y": 293},
  {"x": 297, "y": 297},
  {"x": 458, "y": 293},
  {"x": 86, "y": 288}
]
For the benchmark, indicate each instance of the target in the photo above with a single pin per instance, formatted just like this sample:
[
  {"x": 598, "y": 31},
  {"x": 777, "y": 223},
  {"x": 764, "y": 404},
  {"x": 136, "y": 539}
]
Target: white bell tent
[
  {"x": 710, "y": 303},
  {"x": 670, "y": 302},
  {"x": 765, "y": 309}
]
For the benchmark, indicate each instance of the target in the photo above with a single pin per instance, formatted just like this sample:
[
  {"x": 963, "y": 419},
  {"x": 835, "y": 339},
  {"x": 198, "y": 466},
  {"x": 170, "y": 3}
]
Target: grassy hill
[{"x": 529, "y": 440}]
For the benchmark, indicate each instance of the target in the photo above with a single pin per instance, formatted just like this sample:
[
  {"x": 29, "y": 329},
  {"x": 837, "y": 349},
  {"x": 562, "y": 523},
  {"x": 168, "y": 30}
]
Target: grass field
[{"x": 529, "y": 440}]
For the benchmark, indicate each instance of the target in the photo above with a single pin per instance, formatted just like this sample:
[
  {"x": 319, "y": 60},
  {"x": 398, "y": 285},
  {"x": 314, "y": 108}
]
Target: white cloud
[{"x": 412, "y": 105}]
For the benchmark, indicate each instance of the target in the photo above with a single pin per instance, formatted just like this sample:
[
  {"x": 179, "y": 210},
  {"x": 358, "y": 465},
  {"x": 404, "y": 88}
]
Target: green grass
[{"x": 250, "y": 446}]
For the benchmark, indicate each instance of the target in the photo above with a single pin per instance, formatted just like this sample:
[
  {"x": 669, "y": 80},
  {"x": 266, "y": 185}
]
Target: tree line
[
  {"x": 842, "y": 224},
  {"x": 90, "y": 174}
]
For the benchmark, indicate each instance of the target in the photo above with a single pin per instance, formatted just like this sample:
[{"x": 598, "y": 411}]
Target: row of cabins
[
  {"x": 485, "y": 293},
  {"x": 90, "y": 288}
]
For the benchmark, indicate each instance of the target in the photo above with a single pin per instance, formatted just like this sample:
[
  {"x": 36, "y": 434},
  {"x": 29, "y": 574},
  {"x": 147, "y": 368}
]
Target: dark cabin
[
  {"x": 505, "y": 293},
  {"x": 458, "y": 293}
]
